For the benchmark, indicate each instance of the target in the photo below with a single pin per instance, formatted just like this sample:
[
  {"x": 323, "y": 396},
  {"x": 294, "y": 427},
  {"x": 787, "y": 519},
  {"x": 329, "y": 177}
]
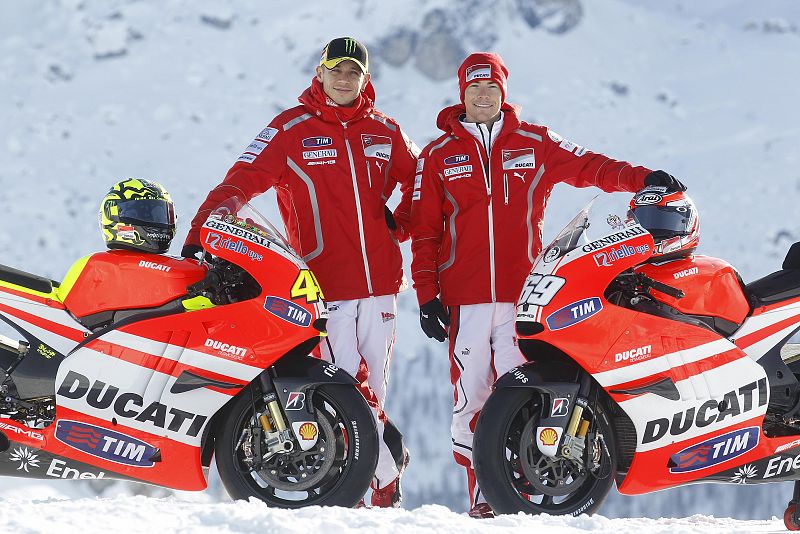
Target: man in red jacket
[
  {"x": 478, "y": 205},
  {"x": 334, "y": 161}
]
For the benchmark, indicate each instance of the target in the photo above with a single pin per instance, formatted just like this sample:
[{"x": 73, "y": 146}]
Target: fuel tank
[
  {"x": 121, "y": 279},
  {"x": 711, "y": 286}
]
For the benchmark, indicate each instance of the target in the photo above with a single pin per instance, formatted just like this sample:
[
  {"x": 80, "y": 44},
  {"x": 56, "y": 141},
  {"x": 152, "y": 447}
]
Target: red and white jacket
[
  {"x": 477, "y": 217},
  {"x": 333, "y": 169}
]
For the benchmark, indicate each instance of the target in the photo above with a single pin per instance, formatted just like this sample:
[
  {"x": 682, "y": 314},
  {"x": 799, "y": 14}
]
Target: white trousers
[
  {"x": 482, "y": 348},
  {"x": 361, "y": 335}
]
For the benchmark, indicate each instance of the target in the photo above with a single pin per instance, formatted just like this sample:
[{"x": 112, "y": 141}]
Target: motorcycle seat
[
  {"x": 775, "y": 287},
  {"x": 780, "y": 285},
  {"x": 27, "y": 280}
]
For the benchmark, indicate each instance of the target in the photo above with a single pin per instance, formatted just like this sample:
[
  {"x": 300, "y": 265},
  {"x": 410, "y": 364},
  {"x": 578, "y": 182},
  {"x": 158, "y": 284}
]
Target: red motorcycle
[
  {"x": 142, "y": 367},
  {"x": 650, "y": 375}
]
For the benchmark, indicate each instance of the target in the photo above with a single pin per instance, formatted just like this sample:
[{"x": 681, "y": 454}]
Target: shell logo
[
  {"x": 548, "y": 436},
  {"x": 308, "y": 431}
]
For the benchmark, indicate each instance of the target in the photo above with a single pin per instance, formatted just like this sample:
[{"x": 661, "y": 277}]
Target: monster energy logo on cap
[{"x": 342, "y": 49}]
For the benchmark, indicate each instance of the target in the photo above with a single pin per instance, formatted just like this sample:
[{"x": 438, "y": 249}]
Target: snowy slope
[
  {"x": 141, "y": 514},
  {"x": 92, "y": 91}
]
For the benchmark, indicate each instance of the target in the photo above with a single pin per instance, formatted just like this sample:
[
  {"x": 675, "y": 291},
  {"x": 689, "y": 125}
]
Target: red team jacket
[
  {"x": 477, "y": 217},
  {"x": 332, "y": 179}
]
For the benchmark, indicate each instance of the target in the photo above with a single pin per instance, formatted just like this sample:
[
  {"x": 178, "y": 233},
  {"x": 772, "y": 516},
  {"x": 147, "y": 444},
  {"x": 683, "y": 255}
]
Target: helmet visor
[
  {"x": 664, "y": 221},
  {"x": 147, "y": 211}
]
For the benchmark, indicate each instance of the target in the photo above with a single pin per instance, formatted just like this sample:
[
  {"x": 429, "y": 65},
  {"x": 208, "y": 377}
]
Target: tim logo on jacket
[{"x": 377, "y": 146}]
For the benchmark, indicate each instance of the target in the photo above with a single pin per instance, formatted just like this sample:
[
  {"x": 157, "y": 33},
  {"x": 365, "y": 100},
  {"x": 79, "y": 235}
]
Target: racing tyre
[
  {"x": 516, "y": 477},
  {"x": 336, "y": 471}
]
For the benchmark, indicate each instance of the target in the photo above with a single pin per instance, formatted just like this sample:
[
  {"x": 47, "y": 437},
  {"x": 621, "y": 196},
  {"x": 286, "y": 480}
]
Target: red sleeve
[
  {"x": 257, "y": 169},
  {"x": 403, "y": 169},
  {"x": 427, "y": 228},
  {"x": 567, "y": 162}
]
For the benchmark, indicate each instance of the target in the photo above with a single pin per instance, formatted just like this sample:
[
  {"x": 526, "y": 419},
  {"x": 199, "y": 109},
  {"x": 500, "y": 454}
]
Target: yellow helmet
[{"x": 138, "y": 214}]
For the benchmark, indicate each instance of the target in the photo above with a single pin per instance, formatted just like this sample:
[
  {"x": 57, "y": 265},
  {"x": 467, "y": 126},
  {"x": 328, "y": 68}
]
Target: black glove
[
  {"x": 387, "y": 213},
  {"x": 190, "y": 251},
  {"x": 432, "y": 316},
  {"x": 661, "y": 178}
]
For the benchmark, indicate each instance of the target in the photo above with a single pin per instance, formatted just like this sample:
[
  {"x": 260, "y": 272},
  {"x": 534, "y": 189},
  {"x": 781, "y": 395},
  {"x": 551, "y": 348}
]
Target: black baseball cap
[{"x": 342, "y": 49}]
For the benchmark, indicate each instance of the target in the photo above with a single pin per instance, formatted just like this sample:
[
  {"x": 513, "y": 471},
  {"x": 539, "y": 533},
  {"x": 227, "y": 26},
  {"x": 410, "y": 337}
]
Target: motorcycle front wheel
[
  {"x": 337, "y": 471},
  {"x": 516, "y": 477}
]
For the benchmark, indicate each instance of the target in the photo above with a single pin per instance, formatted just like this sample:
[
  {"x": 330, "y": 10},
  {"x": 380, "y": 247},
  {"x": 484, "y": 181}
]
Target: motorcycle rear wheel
[
  {"x": 337, "y": 471},
  {"x": 504, "y": 451}
]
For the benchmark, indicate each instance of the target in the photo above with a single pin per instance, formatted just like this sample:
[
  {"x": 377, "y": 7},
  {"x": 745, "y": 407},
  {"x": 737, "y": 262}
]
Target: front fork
[
  {"x": 277, "y": 436},
  {"x": 573, "y": 437}
]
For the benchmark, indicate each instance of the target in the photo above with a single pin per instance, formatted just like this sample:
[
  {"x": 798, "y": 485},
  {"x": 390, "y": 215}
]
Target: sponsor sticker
[
  {"x": 560, "y": 408},
  {"x": 296, "y": 400},
  {"x": 420, "y": 165},
  {"x": 461, "y": 169},
  {"x": 319, "y": 154},
  {"x": 256, "y": 147},
  {"x": 226, "y": 348},
  {"x": 457, "y": 159},
  {"x": 317, "y": 141},
  {"x": 478, "y": 72},
  {"x": 247, "y": 158},
  {"x": 715, "y": 450},
  {"x": 217, "y": 242},
  {"x": 288, "y": 311},
  {"x": 23, "y": 431},
  {"x": 547, "y": 439},
  {"x": 75, "y": 389},
  {"x": 569, "y": 146},
  {"x": 126, "y": 231},
  {"x": 521, "y": 158},
  {"x": 552, "y": 254},
  {"x": 787, "y": 446},
  {"x": 155, "y": 266},
  {"x": 686, "y": 272},
  {"x": 386, "y": 316},
  {"x": 574, "y": 313},
  {"x": 106, "y": 444},
  {"x": 646, "y": 199},
  {"x": 308, "y": 431},
  {"x": 267, "y": 134},
  {"x": 556, "y": 138},
  {"x": 377, "y": 146},
  {"x": 634, "y": 355}
]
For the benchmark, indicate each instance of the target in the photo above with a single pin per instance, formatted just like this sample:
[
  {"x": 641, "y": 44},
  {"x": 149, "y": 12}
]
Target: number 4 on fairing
[
  {"x": 540, "y": 289},
  {"x": 307, "y": 287}
]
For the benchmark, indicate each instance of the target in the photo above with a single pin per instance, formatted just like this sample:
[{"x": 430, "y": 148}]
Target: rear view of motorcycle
[
  {"x": 146, "y": 367},
  {"x": 648, "y": 366}
]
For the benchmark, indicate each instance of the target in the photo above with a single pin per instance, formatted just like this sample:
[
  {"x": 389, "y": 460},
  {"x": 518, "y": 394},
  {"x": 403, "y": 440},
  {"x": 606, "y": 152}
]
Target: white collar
[{"x": 483, "y": 133}]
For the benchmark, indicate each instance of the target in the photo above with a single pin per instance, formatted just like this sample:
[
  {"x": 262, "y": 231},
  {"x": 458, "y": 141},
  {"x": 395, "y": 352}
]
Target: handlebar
[{"x": 673, "y": 292}]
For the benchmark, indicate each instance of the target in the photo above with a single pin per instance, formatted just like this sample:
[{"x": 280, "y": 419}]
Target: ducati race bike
[
  {"x": 144, "y": 367},
  {"x": 650, "y": 375}
]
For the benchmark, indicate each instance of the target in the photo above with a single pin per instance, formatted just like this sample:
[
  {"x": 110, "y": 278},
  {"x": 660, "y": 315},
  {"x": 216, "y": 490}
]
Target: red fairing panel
[
  {"x": 121, "y": 279},
  {"x": 711, "y": 287}
]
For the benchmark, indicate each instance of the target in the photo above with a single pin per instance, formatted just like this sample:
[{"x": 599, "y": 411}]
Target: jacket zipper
[
  {"x": 358, "y": 209},
  {"x": 505, "y": 186},
  {"x": 487, "y": 169}
]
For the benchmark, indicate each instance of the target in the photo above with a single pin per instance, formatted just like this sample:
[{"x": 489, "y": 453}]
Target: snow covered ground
[{"x": 174, "y": 515}]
